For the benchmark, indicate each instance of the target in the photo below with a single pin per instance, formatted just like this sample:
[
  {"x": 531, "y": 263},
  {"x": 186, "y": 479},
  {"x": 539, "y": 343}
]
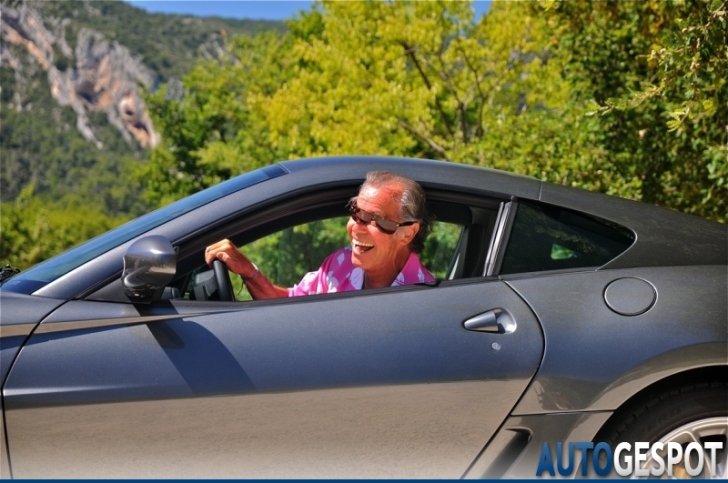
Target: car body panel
[
  {"x": 595, "y": 359},
  {"x": 20, "y": 314},
  {"x": 380, "y": 384},
  {"x": 515, "y": 452}
]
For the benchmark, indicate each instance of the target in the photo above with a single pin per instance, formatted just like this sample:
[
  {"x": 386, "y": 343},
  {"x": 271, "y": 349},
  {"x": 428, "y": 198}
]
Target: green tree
[
  {"x": 33, "y": 230},
  {"x": 656, "y": 72},
  {"x": 415, "y": 78},
  {"x": 424, "y": 79},
  {"x": 213, "y": 132},
  {"x": 401, "y": 78},
  {"x": 517, "y": 90}
]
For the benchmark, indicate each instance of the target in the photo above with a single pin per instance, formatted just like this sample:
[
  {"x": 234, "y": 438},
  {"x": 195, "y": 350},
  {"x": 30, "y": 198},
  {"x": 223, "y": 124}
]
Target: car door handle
[{"x": 496, "y": 321}]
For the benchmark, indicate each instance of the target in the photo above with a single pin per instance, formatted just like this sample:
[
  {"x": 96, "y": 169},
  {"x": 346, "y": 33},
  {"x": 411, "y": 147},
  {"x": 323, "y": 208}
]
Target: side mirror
[{"x": 149, "y": 265}]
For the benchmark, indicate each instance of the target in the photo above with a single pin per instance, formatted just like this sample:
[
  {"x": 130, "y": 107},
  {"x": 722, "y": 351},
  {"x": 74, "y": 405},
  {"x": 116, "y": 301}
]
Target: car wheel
[{"x": 690, "y": 413}]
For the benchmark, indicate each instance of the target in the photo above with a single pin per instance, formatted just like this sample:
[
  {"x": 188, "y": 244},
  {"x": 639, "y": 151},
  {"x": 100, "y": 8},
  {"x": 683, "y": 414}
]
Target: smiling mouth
[{"x": 360, "y": 246}]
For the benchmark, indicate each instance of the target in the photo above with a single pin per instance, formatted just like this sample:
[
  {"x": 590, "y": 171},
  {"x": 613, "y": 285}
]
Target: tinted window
[{"x": 550, "y": 238}]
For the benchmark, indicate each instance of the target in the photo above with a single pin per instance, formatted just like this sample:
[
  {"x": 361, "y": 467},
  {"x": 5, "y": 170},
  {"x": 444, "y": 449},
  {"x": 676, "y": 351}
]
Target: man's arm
[{"x": 259, "y": 286}]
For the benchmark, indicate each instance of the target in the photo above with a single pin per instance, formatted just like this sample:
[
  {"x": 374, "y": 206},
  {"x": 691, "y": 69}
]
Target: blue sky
[{"x": 253, "y": 9}]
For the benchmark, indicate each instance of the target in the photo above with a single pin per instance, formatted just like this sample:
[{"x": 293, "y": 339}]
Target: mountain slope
[{"x": 71, "y": 115}]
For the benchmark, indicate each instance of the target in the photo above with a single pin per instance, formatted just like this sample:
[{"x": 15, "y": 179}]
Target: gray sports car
[{"x": 558, "y": 316}]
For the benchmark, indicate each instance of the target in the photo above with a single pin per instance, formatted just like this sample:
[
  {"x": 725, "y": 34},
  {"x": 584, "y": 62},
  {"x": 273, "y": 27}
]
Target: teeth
[{"x": 362, "y": 244}]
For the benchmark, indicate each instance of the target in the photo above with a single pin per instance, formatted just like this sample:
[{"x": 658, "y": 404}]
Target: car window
[
  {"x": 551, "y": 238},
  {"x": 287, "y": 255},
  {"x": 440, "y": 247}
]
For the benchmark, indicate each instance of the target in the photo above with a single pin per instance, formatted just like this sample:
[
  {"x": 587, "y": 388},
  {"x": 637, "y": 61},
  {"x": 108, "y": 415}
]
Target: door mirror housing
[{"x": 149, "y": 265}]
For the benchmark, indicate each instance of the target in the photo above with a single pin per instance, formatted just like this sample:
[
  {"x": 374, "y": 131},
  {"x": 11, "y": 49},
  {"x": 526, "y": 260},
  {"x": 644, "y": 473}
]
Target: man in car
[{"x": 388, "y": 226}]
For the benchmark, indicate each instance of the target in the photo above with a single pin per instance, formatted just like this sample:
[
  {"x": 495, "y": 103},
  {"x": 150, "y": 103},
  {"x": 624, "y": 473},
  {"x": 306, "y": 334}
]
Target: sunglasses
[{"x": 384, "y": 225}]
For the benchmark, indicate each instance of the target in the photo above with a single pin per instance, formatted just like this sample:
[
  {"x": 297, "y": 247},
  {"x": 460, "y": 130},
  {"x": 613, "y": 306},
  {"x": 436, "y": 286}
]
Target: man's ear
[{"x": 409, "y": 232}]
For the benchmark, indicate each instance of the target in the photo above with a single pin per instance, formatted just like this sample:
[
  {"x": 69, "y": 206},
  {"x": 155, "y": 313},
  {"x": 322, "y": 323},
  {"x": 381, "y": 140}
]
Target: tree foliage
[
  {"x": 213, "y": 133},
  {"x": 622, "y": 97},
  {"x": 417, "y": 79},
  {"x": 656, "y": 72},
  {"x": 517, "y": 90},
  {"x": 40, "y": 144},
  {"x": 34, "y": 230}
]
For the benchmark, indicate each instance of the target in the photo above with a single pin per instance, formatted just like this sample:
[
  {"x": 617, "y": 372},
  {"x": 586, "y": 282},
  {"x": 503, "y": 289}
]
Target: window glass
[
  {"x": 551, "y": 238},
  {"x": 440, "y": 248},
  {"x": 286, "y": 256}
]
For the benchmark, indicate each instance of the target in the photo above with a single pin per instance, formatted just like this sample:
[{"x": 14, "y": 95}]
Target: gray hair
[{"x": 412, "y": 202}]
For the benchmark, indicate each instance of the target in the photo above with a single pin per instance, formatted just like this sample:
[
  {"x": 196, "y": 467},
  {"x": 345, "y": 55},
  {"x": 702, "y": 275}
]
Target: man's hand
[{"x": 228, "y": 253}]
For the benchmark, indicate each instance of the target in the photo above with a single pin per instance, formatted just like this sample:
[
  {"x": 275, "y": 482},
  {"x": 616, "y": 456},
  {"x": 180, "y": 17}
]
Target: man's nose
[{"x": 361, "y": 227}]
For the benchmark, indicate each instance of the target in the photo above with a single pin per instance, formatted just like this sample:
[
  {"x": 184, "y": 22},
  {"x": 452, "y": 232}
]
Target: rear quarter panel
[{"x": 595, "y": 359}]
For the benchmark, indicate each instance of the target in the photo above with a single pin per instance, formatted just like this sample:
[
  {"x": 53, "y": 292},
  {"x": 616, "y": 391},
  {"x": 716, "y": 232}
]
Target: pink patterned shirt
[{"x": 338, "y": 274}]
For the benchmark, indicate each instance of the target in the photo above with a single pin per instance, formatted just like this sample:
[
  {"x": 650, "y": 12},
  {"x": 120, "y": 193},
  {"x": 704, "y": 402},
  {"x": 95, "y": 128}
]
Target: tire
[{"x": 693, "y": 412}]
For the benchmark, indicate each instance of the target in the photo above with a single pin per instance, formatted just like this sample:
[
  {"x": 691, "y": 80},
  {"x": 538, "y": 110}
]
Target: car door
[{"x": 384, "y": 383}]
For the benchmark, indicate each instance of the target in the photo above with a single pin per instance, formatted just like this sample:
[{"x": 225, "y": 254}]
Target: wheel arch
[{"x": 701, "y": 375}]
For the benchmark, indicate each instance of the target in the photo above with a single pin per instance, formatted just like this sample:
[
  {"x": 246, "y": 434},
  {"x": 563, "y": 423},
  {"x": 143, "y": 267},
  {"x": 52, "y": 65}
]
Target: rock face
[{"x": 105, "y": 77}]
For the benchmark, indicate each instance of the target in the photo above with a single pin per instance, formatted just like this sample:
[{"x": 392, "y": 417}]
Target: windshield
[{"x": 36, "y": 277}]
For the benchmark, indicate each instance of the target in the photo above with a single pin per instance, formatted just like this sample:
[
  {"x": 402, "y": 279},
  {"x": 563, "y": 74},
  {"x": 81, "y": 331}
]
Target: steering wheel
[{"x": 224, "y": 286}]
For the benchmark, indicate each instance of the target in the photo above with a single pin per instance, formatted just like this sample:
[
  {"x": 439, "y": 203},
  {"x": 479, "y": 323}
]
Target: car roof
[{"x": 429, "y": 173}]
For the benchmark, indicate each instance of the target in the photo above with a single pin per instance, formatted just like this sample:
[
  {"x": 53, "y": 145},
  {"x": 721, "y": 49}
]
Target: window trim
[
  {"x": 501, "y": 236},
  {"x": 609, "y": 229}
]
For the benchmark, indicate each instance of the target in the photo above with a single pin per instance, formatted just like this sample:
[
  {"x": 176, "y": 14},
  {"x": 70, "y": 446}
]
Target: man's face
[{"x": 373, "y": 250}]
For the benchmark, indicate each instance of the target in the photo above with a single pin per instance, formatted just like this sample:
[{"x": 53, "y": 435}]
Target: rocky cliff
[
  {"x": 73, "y": 124},
  {"x": 98, "y": 75}
]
